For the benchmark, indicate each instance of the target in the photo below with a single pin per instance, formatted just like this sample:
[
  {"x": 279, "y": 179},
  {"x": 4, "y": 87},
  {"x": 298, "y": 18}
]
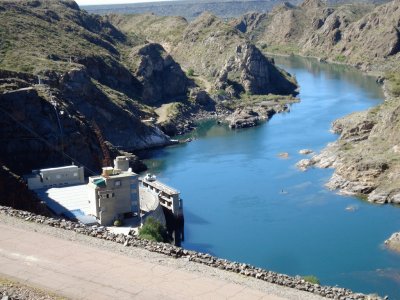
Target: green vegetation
[
  {"x": 311, "y": 279},
  {"x": 153, "y": 230},
  {"x": 118, "y": 223},
  {"x": 178, "y": 109},
  {"x": 394, "y": 83},
  {"x": 280, "y": 49},
  {"x": 249, "y": 99},
  {"x": 340, "y": 58},
  {"x": 190, "y": 72},
  {"x": 41, "y": 41},
  {"x": 159, "y": 29},
  {"x": 221, "y": 93}
]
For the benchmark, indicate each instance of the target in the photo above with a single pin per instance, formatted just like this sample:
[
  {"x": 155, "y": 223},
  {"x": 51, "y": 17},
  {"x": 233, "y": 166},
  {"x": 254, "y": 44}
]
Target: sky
[{"x": 99, "y": 2}]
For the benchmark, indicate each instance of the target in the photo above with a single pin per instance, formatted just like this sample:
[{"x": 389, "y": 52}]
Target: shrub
[
  {"x": 394, "y": 83},
  {"x": 311, "y": 279},
  {"x": 190, "y": 72},
  {"x": 152, "y": 230},
  {"x": 117, "y": 223},
  {"x": 340, "y": 58},
  {"x": 221, "y": 93}
]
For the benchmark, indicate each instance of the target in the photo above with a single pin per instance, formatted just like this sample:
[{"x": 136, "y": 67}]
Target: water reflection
[{"x": 331, "y": 72}]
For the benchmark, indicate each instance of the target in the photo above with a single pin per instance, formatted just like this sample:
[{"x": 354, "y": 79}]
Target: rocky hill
[
  {"x": 86, "y": 94},
  {"x": 365, "y": 157},
  {"x": 192, "y": 9}
]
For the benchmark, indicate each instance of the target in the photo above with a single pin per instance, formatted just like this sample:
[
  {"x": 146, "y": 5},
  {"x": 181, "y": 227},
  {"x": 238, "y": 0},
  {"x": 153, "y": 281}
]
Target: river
[{"x": 245, "y": 203}]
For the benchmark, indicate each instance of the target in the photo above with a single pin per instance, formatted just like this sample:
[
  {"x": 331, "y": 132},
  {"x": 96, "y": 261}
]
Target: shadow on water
[{"x": 192, "y": 218}]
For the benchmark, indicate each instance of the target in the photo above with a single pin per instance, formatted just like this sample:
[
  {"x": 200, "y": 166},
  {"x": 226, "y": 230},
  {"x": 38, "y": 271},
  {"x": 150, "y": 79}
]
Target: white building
[{"x": 52, "y": 177}]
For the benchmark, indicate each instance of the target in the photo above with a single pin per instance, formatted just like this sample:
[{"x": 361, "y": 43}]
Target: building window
[
  {"x": 58, "y": 176},
  {"x": 75, "y": 174},
  {"x": 117, "y": 183}
]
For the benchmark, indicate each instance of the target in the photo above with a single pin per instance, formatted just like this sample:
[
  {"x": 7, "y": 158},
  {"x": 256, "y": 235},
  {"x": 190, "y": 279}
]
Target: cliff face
[
  {"x": 248, "y": 70},
  {"x": 162, "y": 78},
  {"x": 16, "y": 194}
]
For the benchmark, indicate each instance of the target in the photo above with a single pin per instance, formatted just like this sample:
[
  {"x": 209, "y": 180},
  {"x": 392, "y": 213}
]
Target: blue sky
[{"x": 94, "y": 2}]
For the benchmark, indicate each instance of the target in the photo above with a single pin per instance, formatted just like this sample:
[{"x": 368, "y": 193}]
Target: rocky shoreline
[
  {"x": 201, "y": 258},
  {"x": 242, "y": 116}
]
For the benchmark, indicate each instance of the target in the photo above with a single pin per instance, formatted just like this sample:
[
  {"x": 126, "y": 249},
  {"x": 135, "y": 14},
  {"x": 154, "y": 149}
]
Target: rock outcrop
[
  {"x": 15, "y": 193},
  {"x": 393, "y": 243},
  {"x": 161, "y": 77},
  {"x": 364, "y": 158},
  {"x": 251, "y": 72}
]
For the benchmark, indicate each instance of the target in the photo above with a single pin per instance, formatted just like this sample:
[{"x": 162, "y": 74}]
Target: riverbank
[
  {"x": 165, "y": 254},
  {"x": 248, "y": 111},
  {"x": 361, "y": 130}
]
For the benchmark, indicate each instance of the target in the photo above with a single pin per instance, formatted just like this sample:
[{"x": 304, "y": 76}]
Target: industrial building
[
  {"x": 114, "y": 194},
  {"x": 105, "y": 198},
  {"x": 61, "y": 176}
]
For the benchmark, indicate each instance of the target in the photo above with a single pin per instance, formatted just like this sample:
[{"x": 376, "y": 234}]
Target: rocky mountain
[
  {"x": 191, "y": 9},
  {"x": 65, "y": 89},
  {"x": 358, "y": 34},
  {"x": 212, "y": 49},
  {"x": 162, "y": 78}
]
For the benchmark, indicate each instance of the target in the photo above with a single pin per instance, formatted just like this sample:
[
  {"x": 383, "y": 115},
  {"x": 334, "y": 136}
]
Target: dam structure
[
  {"x": 117, "y": 195},
  {"x": 170, "y": 201}
]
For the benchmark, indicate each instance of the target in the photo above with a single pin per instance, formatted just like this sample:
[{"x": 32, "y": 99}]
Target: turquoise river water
[{"x": 244, "y": 203}]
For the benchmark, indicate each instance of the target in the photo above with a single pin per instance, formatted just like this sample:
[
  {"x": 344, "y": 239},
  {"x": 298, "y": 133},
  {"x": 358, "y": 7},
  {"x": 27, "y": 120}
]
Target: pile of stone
[
  {"x": 10, "y": 290},
  {"x": 244, "y": 269}
]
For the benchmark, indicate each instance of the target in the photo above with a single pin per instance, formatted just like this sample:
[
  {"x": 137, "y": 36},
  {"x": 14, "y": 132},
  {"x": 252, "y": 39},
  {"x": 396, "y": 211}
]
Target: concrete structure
[
  {"x": 167, "y": 196},
  {"x": 121, "y": 163},
  {"x": 68, "y": 201},
  {"x": 61, "y": 176},
  {"x": 113, "y": 195}
]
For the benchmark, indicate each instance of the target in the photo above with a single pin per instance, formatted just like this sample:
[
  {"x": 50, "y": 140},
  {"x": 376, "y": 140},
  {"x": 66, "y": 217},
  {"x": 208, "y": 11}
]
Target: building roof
[
  {"x": 72, "y": 167},
  {"x": 161, "y": 186},
  {"x": 71, "y": 201}
]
